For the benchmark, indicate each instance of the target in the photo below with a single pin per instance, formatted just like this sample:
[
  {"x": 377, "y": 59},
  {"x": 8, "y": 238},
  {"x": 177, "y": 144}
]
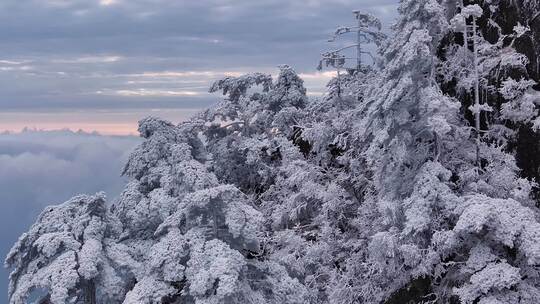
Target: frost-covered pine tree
[
  {"x": 196, "y": 224},
  {"x": 506, "y": 56},
  {"x": 245, "y": 131},
  {"x": 424, "y": 180},
  {"x": 61, "y": 258}
]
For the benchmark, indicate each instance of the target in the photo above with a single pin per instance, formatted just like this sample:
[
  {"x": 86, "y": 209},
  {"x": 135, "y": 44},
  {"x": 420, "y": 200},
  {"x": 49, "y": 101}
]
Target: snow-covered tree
[
  {"x": 506, "y": 55},
  {"x": 243, "y": 141},
  {"x": 409, "y": 186},
  {"x": 194, "y": 239},
  {"x": 60, "y": 259},
  {"x": 420, "y": 169}
]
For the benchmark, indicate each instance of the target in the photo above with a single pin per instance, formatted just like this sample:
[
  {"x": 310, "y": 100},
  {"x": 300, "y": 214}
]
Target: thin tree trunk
[
  {"x": 476, "y": 94},
  {"x": 89, "y": 290},
  {"x": 45, "y": 300},
  {"x": 338, "y": 83},
  {"x": 215, "y": 223},
  {"x": 359, "y": 46}
]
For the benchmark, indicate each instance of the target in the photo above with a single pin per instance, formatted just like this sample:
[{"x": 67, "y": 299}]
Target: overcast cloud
[{"x": 111, "y": 55}]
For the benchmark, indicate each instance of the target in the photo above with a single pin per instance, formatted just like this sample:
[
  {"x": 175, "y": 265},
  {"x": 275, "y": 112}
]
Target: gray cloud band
[{"x": 91, "y": 54}]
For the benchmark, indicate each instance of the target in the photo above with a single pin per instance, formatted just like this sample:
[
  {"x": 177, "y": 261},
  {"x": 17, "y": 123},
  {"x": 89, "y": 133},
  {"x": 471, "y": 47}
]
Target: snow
[{"x": 381, "y": 191}]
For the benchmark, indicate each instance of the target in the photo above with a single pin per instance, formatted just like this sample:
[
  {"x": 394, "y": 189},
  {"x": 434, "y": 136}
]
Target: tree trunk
[
  {"x": 89, "y": 292},
  {"x": 476, "y": 92},
  {"x": 45, "y": 300}
]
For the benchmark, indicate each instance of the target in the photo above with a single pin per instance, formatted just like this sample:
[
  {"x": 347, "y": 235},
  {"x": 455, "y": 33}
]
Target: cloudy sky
[{"x": 103, "y": 64}]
